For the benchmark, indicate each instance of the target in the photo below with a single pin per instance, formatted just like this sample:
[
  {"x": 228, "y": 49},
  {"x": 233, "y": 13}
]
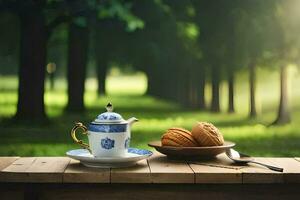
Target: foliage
[
  {"x": 155, "y": 117},
  {"x": 174, "y": 43}
]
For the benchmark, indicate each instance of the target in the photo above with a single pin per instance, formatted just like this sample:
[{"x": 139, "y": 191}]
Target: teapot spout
[{"x": 132, "y": 120}]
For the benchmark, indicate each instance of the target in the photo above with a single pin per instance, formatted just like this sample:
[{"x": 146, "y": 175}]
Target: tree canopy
[{"x": 181, "y": 45}]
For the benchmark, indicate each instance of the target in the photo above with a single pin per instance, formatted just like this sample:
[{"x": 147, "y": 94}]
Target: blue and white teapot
[{"x": 108, "y": 135}]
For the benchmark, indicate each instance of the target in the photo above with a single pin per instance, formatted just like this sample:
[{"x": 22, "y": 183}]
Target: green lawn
[{"x": 155, "y": 115}]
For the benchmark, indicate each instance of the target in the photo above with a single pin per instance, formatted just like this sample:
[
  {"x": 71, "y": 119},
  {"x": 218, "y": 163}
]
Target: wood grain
[
  {"x": 39, "y": 169},
  {"x": 20, "y": 165},
  {"x": 291, "y": 172},
  {"x": 158, "y": 169},
  {"x": 137, "y": 174},
  {"x": 6, "y": 161},
  {"x": 16, "y": 172},
  {"x": 219, "y": 170},
  {"x": 78, "y": 173},
  {"x": 170, "y": 191},
  {"x": 254, "y": 173},
  {"x": 164, "y": 170},
  {"x": 47, "y": 169}
]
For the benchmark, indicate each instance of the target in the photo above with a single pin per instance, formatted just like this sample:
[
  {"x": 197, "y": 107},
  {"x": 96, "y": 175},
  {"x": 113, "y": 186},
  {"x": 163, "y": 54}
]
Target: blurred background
[{"x": 169, "y": 63}]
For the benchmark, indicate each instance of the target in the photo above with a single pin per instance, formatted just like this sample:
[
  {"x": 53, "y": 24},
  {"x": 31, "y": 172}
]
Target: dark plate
[{"x": 191, "y": 152}]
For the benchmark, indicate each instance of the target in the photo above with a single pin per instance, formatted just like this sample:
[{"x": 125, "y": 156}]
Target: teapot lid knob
[{"x": 109, "y": 107}]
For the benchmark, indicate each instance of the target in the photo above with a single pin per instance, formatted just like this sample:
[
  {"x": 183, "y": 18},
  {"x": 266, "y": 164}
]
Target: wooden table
[{"x": 155, "y": 178}]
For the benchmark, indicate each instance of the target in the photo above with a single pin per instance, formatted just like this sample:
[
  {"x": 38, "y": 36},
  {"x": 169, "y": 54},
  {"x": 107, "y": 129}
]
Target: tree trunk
[
  {"x": 101, "y": 75},
  {"x": 150, "y": 83},
  {"x": 215, "y": 80},
  {"x": 33, "y": 47},
  {"x": 193, "y": 95},
  {"x": 192, "y": 92},
  {"x": 252, "y": 82},
  {"x": 284, "y": 115},
  {"x": 101, "y": 54},
  {"x": 183, "y": 86},
  {"x": 77, "y": 61},
  {"x": 201, "y": 89},
  {"x": 231, "y": 92}
]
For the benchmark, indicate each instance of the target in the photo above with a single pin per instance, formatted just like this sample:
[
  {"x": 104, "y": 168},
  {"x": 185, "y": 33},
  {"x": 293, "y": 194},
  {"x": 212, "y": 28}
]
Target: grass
[{"x": 156, "y": 115}]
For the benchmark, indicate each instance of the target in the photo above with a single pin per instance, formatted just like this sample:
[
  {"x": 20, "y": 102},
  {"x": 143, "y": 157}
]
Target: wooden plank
[
  {"x": 78, "y": 173},
  {"x": 39, "y": 169},
  {"x": 164, "y": 170},
  {"x": 291, "y": 172},
  {"x": 168, "y": 191},
  {"x": 219, "y": 170},
  {"x": 159, "y": 170},
  {"x": 47, "y": 169},
  {"x": 16, "y": 171},
  {"x": 254, "y": 173},
  {"x": 20, "y": 165},
  {"x": 140, "y": 173},
  {"x": 6, "y": 161}
]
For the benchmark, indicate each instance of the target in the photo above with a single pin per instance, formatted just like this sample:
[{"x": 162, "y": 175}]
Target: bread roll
[
  {"x": 206, "y": 134},
  {"x": 178, "y": 137}
]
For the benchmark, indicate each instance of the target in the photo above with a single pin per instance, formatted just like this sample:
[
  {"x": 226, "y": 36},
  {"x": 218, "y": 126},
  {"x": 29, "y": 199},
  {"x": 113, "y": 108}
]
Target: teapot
[{"x": 108, "y": 135}]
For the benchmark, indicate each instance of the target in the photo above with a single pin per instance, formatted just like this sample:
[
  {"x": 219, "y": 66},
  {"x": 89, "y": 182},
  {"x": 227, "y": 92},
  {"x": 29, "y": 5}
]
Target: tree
[
  {"x": 284, "y": 115},
  {"x": 85, "y": 14},
  {"x": 78, "y": 42},
  {"x": 9, "y": 47},
  {"x": 154, "y": 47},
  {"x": 101, "y": 57},
  {"x": 252, "y": 85},
  {"x": 108, "y": 50},
  {"x": 256, "y": 18},
  {"x": 33, "y": 53},
  {"x": 286, "y": 50},
  {"x": 34, "y": 33},
  {"x": 210, "y": 18},
  {"x": 235, "y": 54}
]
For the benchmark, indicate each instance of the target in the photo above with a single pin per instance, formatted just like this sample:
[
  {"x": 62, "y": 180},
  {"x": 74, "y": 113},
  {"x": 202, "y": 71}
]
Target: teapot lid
[{"x": 109, "y": 116}]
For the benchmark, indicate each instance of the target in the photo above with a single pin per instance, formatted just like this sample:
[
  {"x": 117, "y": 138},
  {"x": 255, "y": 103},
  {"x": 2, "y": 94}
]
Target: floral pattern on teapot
[
  {"x": 107, "y": 143},
  {"x": 127, "y": 142},
  {"x": 108, "y": 128},
  {"x": 109, "y": 116}
]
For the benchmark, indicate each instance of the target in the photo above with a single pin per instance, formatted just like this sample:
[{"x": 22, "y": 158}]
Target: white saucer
[{"x": 131, "y": 158}]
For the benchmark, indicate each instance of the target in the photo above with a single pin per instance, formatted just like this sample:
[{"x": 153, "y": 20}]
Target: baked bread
[
  {"x": 178, "y": 137},
  {"x": 206, "y": 134}
]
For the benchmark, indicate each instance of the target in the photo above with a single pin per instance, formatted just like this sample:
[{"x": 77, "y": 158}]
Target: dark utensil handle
[{"x": 277, "y": 169}]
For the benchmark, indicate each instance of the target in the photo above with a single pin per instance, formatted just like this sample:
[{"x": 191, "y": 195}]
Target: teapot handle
[{"x": 79, "y": 125}]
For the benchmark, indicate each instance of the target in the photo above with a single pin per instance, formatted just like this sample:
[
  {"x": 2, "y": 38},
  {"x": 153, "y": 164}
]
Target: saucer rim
[{"x": 120, "y": 159}]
